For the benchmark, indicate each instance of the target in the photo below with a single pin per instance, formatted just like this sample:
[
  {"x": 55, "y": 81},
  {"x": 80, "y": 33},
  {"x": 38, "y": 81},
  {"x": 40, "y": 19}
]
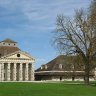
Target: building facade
[
  {"x": 65, "y": 68},
  {"x": 15, "y": 65}
]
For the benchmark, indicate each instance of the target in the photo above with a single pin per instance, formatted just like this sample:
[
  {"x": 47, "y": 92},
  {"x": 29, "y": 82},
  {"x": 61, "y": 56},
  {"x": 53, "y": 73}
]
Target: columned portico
[{"x": 16, "y": 72}]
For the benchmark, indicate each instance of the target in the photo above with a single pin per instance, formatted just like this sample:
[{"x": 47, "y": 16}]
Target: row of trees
[{"x": 77, "y": 36}]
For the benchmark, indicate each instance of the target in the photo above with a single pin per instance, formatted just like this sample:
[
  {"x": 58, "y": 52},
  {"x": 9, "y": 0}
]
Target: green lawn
[{"x": 46, "y": 89}]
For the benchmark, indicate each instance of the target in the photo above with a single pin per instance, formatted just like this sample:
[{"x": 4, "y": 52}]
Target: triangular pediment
[{"x": 18, "y": 55}]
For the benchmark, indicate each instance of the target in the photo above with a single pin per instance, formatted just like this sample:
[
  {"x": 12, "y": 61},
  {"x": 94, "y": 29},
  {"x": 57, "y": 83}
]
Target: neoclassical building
[
  {"x": 65, "y": 68},
  {"x": 15, "y": 64}
]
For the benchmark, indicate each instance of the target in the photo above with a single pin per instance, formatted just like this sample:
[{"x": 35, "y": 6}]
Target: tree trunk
[
  {"x": 86, "y": 79},
  {"x": 87, "y": 71}
]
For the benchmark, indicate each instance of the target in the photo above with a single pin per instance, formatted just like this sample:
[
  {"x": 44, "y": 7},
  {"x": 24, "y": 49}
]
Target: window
[
  {"x": 60, "y": 66},
  {"x": 3, "y": 43},
  {"x": 18, "y": 55},
  {"x": 46, "y": 67},
  {"x": 41, "y": 67},
  {"x": 9, "y": 43}
]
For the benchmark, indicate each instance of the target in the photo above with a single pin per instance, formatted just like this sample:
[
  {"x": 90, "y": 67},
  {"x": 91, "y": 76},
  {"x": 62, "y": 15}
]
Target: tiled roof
[
  {"x": 4, "y": 50},
  {"x": 66, "y": 61},
  {"x": 8, "y": 41}
]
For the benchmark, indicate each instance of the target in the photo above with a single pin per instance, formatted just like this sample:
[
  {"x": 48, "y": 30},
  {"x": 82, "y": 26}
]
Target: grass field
[{"x": 46, "y": 89}]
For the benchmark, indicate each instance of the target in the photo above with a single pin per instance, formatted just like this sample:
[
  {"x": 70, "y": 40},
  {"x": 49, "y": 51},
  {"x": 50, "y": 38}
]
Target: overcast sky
[{"x": 31, "y": 23}]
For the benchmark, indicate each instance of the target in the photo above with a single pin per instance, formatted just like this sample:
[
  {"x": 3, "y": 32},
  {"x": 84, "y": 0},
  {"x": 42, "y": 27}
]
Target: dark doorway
[
  {"x": 73, "y": 78},
  {"x": 60, "y": 78}
]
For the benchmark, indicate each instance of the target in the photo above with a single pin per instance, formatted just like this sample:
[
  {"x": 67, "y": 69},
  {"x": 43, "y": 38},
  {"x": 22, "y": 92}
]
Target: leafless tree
[
  {"x": 93, "y": 14},
  {"x": 78, "y": 36}
]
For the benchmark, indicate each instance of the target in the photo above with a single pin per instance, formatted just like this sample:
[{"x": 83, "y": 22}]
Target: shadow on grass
[{"x": 93, "y": 83}]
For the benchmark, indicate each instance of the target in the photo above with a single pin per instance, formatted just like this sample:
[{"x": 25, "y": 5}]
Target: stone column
[
  {"x": 20, "y": 72},
  {"x": 2, "y": 72},
  {"x": 14, "y": 72},
  {"x": 32, "y": 71},
  {"x": 8, "y": 72},
  {"x": 26, "y": 72}
]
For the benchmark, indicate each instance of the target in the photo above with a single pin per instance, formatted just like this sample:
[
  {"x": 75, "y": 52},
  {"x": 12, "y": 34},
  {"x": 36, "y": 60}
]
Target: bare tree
[
  {"x": 78, "y": 36},
  {"x": 92, "y": 14}
]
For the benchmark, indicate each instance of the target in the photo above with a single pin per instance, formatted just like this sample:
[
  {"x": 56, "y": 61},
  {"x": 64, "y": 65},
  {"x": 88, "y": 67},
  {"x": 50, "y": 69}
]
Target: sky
[{"x": 32, "y": 23}]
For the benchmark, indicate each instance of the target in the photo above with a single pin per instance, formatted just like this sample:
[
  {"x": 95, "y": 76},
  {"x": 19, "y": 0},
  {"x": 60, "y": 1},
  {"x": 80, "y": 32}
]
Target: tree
[
  {"x": 93, "y": 14},
  {"x": 78, "y": 36}
]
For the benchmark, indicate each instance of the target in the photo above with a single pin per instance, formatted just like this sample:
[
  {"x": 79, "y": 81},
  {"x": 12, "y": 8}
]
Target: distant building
[
  {"x": 15, "y": 65},
  {"x": 62, "y": 68}
]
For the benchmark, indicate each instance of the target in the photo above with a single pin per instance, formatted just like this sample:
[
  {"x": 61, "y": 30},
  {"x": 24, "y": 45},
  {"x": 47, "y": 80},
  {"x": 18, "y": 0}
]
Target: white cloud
[
  {"x": 39, "y": 9},
  {"x": 36, "y": 14}
]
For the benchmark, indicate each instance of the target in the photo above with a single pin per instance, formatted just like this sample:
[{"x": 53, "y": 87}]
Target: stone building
[
  {"x": 66, "y": 68},
  {"x": 15, "y": 64}
]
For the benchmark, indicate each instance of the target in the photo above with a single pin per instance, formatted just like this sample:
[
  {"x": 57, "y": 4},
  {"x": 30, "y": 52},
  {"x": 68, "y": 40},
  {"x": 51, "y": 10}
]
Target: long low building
[
  {"x": 65, "y": 68},
  {"x": 15, "y": 65}
]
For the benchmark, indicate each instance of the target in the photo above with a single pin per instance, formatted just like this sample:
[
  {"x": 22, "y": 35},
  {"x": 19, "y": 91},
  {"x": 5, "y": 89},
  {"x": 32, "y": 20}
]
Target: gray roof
[
  {"x": 66, "y": 61},
  {"x": 67, "y": 67},
  {"x": 5, "y": 50},
  {"x": 8, "y": 41}
]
